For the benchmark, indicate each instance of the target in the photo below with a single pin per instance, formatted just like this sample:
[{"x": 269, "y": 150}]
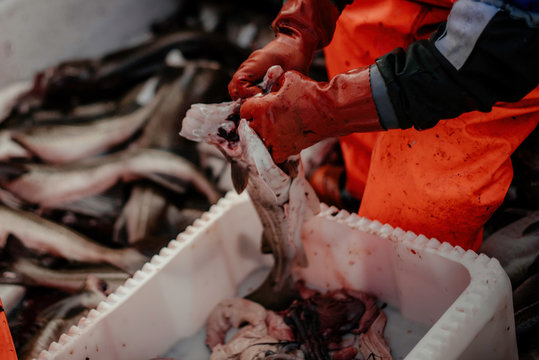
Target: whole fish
[
  {"x": 61, "y": 316},
  {"x": 283, "y": 200},
  {"x": 51, "y": 185},
  {"x": 23, "y": 271},
  {"x": 63, "y": 143},
  {"x": 45, "y": 236}
]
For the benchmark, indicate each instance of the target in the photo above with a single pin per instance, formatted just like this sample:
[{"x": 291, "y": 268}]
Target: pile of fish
[{"x": 94, "y": 178}]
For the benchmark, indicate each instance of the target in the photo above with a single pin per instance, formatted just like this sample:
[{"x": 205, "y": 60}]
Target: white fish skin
[
  {"x": 50, "y": 185},
  {"x": 283, "y": 202},
  {"x": 48, "y": 237},
  {"x": 64, "y": 143},
  {"x": 27, "y": 273}
]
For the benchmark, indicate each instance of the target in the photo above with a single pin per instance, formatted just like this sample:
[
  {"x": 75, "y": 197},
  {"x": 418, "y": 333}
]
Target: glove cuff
[{"x": 354, "y": 107}]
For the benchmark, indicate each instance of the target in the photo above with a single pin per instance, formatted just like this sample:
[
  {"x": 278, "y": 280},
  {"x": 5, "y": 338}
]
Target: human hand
[
  {"x": 302, "y": 27},
  {"x": 299, "y": 111}
]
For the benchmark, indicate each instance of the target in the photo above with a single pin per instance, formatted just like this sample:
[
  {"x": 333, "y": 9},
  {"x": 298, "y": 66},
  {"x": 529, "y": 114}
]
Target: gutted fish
[
  {"x": 283, "y": 199},
  {"x": 63, "y": 143},
  {"x": 45, "y": 236},
  {"x": 49, "y": 185},
  {"x": 26, "y": 272}
]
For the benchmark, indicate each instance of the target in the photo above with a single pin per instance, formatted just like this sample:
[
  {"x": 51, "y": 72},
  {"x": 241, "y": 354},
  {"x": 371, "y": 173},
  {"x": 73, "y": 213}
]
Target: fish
[
  {"x": 44, "y": 236},
  {"x": 58, "y": 318},
  {"x": 141, "y": 213},
  {"x": 283, "y": 199},
  {"x": 9, "y": 96},
  {"x": 196, "y": 83},
  {"x": 10, "y": 149},
  {"x": 150, "y": 216},
  {"x": 64, "y": 143},
  {"x": 88, "y": 80},
  {"x": 516, "y": 246},
  {"x": 80, "y": 113},
  {"x": 25, "y": 272},
  {"x": 50, "y": 185}
]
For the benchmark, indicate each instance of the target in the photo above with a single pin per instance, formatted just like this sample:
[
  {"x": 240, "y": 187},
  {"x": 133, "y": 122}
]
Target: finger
[{"x": 242, "y": 88}]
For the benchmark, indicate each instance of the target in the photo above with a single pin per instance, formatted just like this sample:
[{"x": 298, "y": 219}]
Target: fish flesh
[
  {"x": 261, "y": 331},
  {"x": 26, "y": 272},
  {"x": 51, "y": 185},
  {"x": 45, "y": 236},
  {"x": 283, "y": 199},
  {"x": 64, "y": 143}
]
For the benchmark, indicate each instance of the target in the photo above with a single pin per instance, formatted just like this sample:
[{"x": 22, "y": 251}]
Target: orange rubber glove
[
  {"x": 302, "y": 27},
  {"x": 300, "y": 111}
]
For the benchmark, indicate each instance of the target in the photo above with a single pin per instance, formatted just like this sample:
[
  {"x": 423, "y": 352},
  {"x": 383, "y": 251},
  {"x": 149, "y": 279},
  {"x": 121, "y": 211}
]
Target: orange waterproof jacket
[{"x": 444, "y": 182}]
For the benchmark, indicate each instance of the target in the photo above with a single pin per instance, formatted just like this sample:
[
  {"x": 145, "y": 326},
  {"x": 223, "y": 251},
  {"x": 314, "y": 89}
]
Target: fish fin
[
  {"x": 240, "y": 176},
  {"x": 119, "y": 230},
  {"x": 11, "y": 171},
  {"x": 130, "y": 260}
]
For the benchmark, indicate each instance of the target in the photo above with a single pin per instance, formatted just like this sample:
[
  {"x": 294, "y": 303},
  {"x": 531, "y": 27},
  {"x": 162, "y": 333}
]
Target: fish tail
[{"x": 128, "y": 260}]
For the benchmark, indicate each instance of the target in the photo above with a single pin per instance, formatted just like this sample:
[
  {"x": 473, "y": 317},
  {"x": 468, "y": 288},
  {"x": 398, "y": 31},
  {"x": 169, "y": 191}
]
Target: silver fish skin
[
  {"x": 64, "y": 143},
  {"x": 58, "y": 318},
  {"x": 282, "y": 201},
  {"x": 25, "y": 272},
  {"x": 50, "y": 185},
  {"x": 45, "y": 236}
]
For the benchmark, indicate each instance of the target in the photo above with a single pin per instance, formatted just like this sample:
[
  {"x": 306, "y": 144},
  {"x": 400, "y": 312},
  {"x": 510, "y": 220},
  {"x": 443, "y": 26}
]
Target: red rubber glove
[
  {"x": 302, "y": 112},
  {"x": 302, "y": 27}
]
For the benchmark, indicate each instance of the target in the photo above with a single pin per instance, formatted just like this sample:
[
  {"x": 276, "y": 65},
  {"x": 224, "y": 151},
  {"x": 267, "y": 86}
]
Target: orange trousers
[{"x": 444, "y": 182}]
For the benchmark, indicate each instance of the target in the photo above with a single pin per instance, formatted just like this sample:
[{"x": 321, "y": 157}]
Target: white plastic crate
[{"x": 458, "y": 301}]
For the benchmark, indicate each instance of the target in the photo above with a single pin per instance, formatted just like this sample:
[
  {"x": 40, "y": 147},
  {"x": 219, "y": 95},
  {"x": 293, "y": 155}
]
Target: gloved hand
[
  {"x": 302, "y": 27},
  {"x": 300, "y": 111}
]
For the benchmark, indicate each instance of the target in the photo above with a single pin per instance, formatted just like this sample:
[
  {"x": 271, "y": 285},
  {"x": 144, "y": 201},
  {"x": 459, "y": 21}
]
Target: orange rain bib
[{"x": 443, "y": 182}]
